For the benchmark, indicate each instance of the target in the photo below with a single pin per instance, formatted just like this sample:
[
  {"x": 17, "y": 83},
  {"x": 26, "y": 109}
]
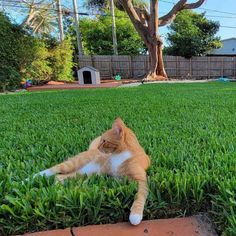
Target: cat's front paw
[{"x": 135, "y": 219}]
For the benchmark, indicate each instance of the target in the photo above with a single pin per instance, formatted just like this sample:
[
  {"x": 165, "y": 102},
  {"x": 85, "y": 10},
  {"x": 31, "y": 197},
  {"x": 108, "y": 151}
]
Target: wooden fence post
[
  {"x": 92, "y": 60},
  {"x": 131, "y": 66},
  {"x": 222, "y": 67},
  {"x": 234, "y": 65},
  {"x": 208, "y": 68},
  {"x": 111, "y": 67},
  {"x": 147, "y": 63},
  {"x": 190, "y": 68},
  {"x": 176, "y": 67}
]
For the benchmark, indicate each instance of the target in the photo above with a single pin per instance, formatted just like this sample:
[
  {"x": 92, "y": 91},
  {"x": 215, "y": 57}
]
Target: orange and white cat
[{"x": 116, "y": 152}]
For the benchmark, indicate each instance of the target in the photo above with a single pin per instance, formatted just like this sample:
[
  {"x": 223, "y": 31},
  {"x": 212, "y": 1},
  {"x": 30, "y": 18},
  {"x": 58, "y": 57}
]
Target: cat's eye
[{"x": 103, "y": 141}]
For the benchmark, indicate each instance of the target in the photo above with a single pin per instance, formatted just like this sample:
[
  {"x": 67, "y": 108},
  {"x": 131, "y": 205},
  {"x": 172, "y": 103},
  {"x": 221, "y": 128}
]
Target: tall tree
[
  {"x": 114, "y": 39},
  {"x": 60, "y": 22},
  {"x": 192, "y": 34},
  {"x": 77, "y": 27},
  {"x": 147, "y": 25}
]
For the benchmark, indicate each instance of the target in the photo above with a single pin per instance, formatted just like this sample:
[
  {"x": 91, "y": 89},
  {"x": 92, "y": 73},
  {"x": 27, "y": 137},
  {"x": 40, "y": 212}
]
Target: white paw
[
  {"x": 46, "y": 173},
  {"x": 135, "y": 219}
]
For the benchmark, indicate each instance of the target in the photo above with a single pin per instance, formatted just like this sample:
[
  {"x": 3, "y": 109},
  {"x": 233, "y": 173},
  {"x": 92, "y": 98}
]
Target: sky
[{"x": 217, "y": 10}]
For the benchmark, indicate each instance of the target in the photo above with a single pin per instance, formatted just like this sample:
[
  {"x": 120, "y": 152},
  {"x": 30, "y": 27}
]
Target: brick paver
[{"x": 189, "y": 226}]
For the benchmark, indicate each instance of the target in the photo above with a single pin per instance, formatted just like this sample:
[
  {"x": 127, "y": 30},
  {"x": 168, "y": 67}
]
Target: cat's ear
[{"x": 118, "y": 127}]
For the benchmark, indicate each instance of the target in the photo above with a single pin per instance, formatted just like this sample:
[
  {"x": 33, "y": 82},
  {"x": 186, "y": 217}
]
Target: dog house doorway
[{"x": 87, "y": 77}]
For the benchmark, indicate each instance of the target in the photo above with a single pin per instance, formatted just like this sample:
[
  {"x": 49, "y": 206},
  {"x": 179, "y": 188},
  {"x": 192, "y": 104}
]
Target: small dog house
[{"x": 89, "y": 75}]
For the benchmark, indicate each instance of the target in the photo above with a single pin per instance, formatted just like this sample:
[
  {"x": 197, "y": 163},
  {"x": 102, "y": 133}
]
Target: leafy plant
[
  {"x": 9, "y": 78},
  {"x": 40, "y": 69},
  {"x": 62, "y": 61}
]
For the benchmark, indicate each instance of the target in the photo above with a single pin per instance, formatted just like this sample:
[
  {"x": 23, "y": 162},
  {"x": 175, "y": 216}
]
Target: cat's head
[{"x": 112, "y": 141}]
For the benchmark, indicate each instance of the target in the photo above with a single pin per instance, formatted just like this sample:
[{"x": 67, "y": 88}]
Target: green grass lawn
[{"x": 189, "y": 130}]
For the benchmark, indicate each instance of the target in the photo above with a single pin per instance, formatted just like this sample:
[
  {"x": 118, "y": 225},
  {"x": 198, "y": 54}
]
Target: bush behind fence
[{"x": 176, "y": 67}]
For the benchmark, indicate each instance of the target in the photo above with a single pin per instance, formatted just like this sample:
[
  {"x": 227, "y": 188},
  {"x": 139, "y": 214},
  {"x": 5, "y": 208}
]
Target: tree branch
[
  {"x": 143, "y": 15},
  {"x": 194, "y": 5},
  {"x": 179, "y": 6},
  {"x": 134, "y": 16},
  {"x": 127, "y": 4}
]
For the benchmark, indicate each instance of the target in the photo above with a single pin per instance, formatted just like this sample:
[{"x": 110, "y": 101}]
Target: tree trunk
[
  {"x": 77, "y": 28},
  {"x": 156, "y": 70},
  {"x": 60, "y": 21}
]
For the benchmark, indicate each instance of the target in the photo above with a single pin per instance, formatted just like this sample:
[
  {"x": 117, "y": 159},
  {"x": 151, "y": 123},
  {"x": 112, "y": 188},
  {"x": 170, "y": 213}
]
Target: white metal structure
[{"x": 88, "y": 75}]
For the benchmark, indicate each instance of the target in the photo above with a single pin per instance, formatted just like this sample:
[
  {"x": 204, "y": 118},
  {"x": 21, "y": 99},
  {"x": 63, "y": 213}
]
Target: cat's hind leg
[{"x": 71, "y": 165}]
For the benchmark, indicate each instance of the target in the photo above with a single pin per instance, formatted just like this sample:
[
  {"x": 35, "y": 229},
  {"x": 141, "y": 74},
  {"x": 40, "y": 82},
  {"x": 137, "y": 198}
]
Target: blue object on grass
[{"x": 223, "y": 79}]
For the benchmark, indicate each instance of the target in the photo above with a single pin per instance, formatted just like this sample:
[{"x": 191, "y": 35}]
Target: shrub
[
  {"x": 9, "y": 78},
  {"x": 10, "y": 53},
  {"x": 62, "y": 61},
  {"x": 40, "y": 69}
]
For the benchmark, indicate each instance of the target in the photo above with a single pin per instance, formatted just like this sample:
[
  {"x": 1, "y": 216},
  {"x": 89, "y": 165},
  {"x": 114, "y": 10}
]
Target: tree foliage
[
  {"x": 192, "y": 34},
  {"x": 97, "y": 35}
]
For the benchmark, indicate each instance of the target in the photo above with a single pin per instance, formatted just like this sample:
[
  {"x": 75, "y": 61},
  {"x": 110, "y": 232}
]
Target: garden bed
[{"x": 73, "y": 86}]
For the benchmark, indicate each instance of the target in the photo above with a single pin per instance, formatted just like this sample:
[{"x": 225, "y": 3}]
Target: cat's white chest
[
  {"x": 118, "y": 159},
  {"x": 90, "y": 168}
]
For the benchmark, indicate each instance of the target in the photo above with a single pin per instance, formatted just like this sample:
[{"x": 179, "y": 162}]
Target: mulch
[{"x": 74, "y": 86}]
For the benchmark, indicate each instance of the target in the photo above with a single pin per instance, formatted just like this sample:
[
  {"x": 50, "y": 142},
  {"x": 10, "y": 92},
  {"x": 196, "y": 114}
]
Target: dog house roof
[{"x": 88, "y": 68}]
